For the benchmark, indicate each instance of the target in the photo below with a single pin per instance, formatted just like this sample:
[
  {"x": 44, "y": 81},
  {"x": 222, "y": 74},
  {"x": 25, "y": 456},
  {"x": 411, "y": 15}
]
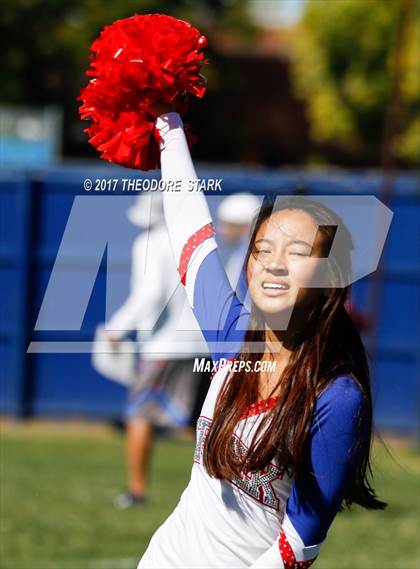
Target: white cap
[
  {"x": 238, "y": 208},
  {"x": 147, "y": 210}
]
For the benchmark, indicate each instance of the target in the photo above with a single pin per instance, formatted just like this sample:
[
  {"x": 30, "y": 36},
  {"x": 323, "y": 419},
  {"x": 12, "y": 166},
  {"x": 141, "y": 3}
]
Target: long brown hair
[{"x": 329, "y": 346}]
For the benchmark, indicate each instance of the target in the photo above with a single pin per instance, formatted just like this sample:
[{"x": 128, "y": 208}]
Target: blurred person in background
[
  {"x": 164, "y": 391},
  {"x": 235, "y": 215}
]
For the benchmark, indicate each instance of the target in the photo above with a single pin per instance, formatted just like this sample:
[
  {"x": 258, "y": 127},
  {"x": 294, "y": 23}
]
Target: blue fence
[{"x": 34, "y": 208}]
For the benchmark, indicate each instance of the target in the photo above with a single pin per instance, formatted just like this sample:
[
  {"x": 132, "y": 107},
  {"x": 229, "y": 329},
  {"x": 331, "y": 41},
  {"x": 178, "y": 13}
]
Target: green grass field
[{"x": 57, "y": 486}]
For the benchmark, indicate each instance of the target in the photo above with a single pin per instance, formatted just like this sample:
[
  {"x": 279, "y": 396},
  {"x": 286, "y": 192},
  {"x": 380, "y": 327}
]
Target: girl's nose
[{"x": 277, "y": 264}]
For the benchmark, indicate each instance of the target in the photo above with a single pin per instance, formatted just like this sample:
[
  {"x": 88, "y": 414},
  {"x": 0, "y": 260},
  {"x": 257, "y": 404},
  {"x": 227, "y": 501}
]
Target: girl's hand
[{"x": 113, "y": 340}]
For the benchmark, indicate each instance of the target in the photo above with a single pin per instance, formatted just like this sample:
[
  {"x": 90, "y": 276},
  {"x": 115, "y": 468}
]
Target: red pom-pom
[{"x": 134, "y": 63}]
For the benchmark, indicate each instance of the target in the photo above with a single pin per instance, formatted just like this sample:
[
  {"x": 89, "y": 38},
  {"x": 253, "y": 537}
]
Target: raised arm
[
  {"x": 221, "y": 316},
  {"x": 318, "y": 492}
]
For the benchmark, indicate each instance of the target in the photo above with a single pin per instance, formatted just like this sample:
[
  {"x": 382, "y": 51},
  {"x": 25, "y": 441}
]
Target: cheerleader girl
[{"x": 281, "y": 448}]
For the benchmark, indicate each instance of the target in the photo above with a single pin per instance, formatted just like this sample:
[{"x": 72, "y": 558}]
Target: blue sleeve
[
  {"x": 222, "y": 317},
  {"x": 330, "y": 460},
  {"x": 241, "y": 287}
]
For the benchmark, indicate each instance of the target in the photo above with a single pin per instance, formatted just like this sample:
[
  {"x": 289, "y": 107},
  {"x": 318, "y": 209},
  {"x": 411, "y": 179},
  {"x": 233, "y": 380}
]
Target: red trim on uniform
[
  {"x": 260, "y": 407},
  {"x": 288, "y": 557},
  {"x": 191, "y": 245}
]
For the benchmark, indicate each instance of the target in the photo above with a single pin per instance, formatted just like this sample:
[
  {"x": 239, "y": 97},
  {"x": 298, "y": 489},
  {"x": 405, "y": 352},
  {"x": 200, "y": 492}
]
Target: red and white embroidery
[
  {"x": 260, "y": 407},
  {"x": 259, "y": 483},
  {"x": 256, "y": 484},
  {"x": 191, "y": 245},
  {"x": 288, "y": 557}
]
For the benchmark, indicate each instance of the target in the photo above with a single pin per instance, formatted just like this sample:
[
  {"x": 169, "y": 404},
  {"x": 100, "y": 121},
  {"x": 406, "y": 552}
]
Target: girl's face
[{"x": 284, "y": 262}]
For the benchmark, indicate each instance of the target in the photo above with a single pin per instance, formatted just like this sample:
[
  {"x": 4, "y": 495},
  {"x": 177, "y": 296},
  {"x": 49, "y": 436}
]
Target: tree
[{"x": 344, "y": 69}]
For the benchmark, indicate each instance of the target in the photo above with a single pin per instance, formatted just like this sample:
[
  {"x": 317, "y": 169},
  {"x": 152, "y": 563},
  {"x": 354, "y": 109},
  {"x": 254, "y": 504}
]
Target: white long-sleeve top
[
  {"x": 154, "y": 289},
  {"x": 261, "y": 519}
]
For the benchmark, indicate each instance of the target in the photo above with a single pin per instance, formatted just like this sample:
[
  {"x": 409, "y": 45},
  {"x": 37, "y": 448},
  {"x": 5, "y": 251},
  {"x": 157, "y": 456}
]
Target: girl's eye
[
  {"x": 299, "y": 253},
  {"x": 262, "y": 251}
]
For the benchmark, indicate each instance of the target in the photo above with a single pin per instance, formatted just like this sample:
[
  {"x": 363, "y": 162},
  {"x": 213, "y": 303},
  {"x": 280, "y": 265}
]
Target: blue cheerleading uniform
[{"x": 264, "y": 519}]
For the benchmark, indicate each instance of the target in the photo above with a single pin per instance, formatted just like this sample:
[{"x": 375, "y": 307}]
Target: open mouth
[
  {"x": 275, "y": 288},
  {"x": 267, "y": 285}
]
